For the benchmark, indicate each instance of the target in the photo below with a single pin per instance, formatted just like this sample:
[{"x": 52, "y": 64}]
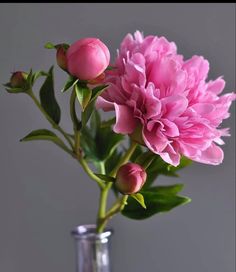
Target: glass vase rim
[{"x": 88, "y": 231}]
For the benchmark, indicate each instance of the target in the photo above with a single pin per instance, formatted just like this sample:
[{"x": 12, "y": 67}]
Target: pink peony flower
[
  {"x": 167, "y": 100},
  {"x": 130, "y": 178},
  {"x": 87, "y": 58}
]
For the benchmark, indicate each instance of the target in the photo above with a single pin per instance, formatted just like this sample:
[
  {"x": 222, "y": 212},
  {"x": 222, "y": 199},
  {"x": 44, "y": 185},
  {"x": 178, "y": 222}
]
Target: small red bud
[
  {"x": 130, "y": 178},
  {"x": 18, "y": 79},
  {"x": 61, "y": 57}
]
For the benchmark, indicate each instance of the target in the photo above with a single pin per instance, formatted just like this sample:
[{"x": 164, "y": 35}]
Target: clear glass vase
[{"x": 92, "y": 249}]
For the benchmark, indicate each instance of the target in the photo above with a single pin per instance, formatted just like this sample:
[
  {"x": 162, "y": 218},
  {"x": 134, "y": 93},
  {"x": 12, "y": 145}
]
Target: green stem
[
  {"x": 90, "y": 172},
  {"x": 76, "y": 122},
  {"x": 125, "y": 158},
  {"x": 54, "y": 125},
  {"x": 103, "y": 217},
  {"x": 118, "y": 207},
  {"x": 102, "y": 168},
  {"x": 103, "y": 196}
]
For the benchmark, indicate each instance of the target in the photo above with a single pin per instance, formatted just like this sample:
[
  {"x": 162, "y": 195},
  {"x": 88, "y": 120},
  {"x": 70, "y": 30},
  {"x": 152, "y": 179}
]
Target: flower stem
[
  {"x": 90, "y": 172},
  {"x": 125, "y": 158},
  {"x": 103, "y": 217},
  {"x": 54, "y": 125}
]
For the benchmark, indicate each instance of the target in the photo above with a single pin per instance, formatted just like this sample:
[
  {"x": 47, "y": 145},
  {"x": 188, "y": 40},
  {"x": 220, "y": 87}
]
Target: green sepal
[
  {"x": 140, "y": 199},
  {"x": 83, "y": 95},
  {"x": 70, "y": 83}
]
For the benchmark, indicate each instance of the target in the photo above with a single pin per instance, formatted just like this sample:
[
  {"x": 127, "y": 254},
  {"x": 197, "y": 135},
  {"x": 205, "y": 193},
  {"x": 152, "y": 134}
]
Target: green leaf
[
  {"x": 47, "y": 98},
  {"x": 37, "y": 75},
  {"x": 107, "y": 141},
  {"x": 167, "y": 189},
  {"x": 140, "y": 199},
  {"x": 95, "y": 122},
  {"x": 145, "y": 159},
  {"x": 112, "y": 161},
  {"x": 158, "y": 199},
  {"x": 98, "y": 91},
  {"x": 71, "y": 81},
  {"x": 83, "y": 95},
  {"x": 137, "y": 152},
  {"x": 49, "y": 45},
  {"x": 87, "y": 113},
  {"x": 105, "y": 178},
  {"x": 159, "y": 167},
  {"x": 42, "y": 134},
  {"x": 88, "y": 144}
]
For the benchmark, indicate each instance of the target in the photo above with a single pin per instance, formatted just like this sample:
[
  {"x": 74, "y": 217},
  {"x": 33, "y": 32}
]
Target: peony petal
[
  {"x": 170, "y": 128},
  {"x": 154, "y": 139},
  {"x": 212, "y": 155},
  {"x": 170, "y": 154},
  {"x": 216, "y": 86},
  {"x": 174, "y": 106},
  {"x": 102, "y": 103},
  {"x": 125, "y": 122}
]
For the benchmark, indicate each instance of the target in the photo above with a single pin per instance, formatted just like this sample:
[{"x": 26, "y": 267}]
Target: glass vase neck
[{"x": 92, "y": 249}]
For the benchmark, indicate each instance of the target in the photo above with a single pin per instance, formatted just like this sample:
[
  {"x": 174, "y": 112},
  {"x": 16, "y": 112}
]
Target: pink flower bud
[
  {"x": 130, "y": 178},
  {"x": 18, "y": 79},
  {"x": 87, "y": 58},
  {"x": 61, "y": 57}
]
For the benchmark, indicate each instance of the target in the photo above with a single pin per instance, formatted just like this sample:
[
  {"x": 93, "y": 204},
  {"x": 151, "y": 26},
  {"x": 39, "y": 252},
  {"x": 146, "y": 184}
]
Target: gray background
[{"x": 44, "y": 193}]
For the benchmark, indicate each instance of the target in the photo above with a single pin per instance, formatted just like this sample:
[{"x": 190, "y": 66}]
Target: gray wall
[{"x": 44, "y": 193}]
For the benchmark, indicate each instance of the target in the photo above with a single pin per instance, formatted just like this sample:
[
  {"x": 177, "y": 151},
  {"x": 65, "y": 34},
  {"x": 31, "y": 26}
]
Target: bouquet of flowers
[{"x": 166, "y": 115}]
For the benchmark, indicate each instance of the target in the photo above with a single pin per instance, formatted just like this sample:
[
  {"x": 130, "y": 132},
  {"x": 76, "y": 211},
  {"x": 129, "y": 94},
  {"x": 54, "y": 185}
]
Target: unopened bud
[
  {"x": 130, "y": 178},
  {"x": 18, "y": 79},
  {"x": 61, "y": 56}
]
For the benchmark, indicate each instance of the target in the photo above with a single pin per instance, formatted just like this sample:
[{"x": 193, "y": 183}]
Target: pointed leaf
[
  {"x": 98, "y": 91},
  {"x": 107, "y": 141},
  {"x": 83, "y": 95},
  {"x": 160, "y": 167},
  {"x": 95, "y": 122},
  {"x": 140, "y": 199},
  {"x": 71, "y": 81},
  {"x": 86, "y": 114},
  {"x": 158, "y": 200},
  {"x": 48, "y": 100},
  {"x": 41, "y": 134},
  {"x": 36, "y": 75},
  {"x": 145, "y": 159}
]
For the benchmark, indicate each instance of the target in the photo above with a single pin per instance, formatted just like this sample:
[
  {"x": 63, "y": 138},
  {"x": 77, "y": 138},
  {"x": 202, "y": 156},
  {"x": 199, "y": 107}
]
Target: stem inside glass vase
[{"x": 92, "y": 249}]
